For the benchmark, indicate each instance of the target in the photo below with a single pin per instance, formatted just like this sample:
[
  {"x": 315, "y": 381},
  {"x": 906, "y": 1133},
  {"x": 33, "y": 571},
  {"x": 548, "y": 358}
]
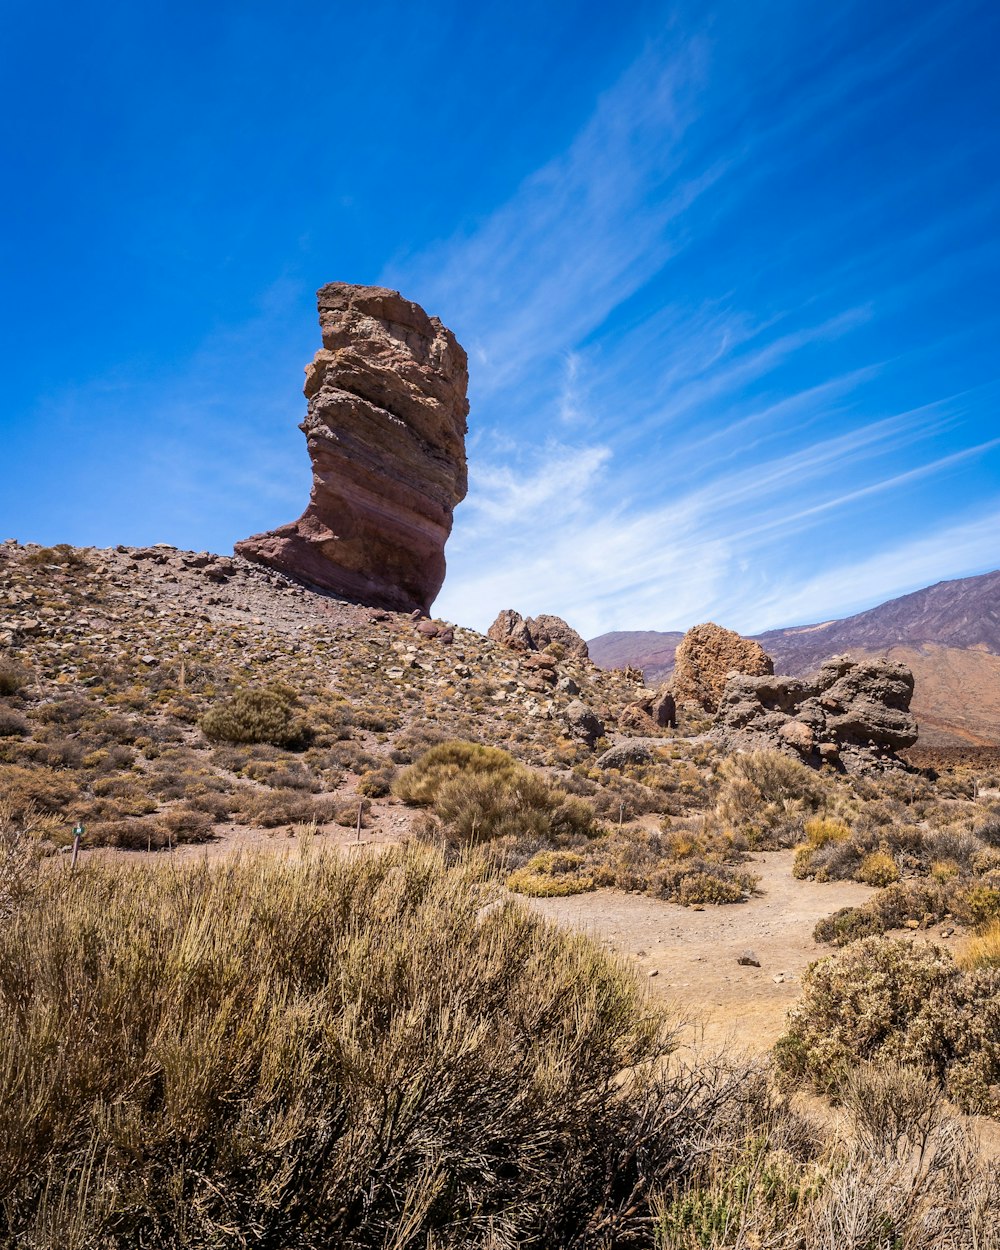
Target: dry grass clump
[
  {"x": 319, "y": 1052},
  {"x": 878, "y": 868},
  {"x": 884, "y": 999},
  {"x": 22, "y": 834},
  {"x": 906, "y": 1177},
  {"x": 983, "y": 951},
  {"x": 766, "y": 797},
  {"x": 266, "y": 714}
]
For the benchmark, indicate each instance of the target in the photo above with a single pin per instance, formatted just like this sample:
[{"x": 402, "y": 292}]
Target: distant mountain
[{"x": 949, "y": 634}]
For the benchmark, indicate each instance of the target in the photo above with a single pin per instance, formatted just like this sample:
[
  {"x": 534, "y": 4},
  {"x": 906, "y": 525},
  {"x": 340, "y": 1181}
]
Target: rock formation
[
  {"x": 656, "y": 709},
  {"x": 706, "y": 656},
  {"x": 520, "y": 633},
  {"x": 385, "y": 429},
  {"x": 853, "y": 714}
]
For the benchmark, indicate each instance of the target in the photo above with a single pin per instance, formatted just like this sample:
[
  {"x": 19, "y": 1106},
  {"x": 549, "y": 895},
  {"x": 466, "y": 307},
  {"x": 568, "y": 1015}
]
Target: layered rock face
[
  {"x": 385, "y": 429},
  {"x": 706, "y": 656},
  {"x": 520, "y": 633},
  {"x": 853, "y": 714}
]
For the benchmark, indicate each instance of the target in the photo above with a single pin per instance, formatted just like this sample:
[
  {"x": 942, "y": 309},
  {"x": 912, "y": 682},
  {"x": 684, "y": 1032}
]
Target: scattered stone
[
  {"x": 385, "y": 429},
  {"x": 748, "y": 960}
]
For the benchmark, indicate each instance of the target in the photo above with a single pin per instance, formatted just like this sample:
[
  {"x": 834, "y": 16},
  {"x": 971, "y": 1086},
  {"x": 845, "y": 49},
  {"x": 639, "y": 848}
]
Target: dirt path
[{"x": 691, "y": 956}]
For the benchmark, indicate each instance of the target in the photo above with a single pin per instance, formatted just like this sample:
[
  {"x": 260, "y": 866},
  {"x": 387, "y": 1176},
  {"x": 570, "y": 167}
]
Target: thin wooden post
[
  {"x": 78, "y": 831},
  {"x": 361, "y": 808}
]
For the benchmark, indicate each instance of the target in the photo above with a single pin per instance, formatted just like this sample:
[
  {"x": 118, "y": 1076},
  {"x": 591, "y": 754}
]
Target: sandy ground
[{"x": 690, "y": 957}]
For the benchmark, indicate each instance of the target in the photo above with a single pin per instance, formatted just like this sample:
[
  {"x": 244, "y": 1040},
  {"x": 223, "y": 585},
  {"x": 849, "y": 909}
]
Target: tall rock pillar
[{"x": 385, "y": 429}]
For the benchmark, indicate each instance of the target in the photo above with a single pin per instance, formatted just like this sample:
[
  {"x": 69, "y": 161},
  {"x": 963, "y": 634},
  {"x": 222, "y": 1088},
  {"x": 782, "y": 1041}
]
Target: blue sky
[{"x": 727, "y": 276}]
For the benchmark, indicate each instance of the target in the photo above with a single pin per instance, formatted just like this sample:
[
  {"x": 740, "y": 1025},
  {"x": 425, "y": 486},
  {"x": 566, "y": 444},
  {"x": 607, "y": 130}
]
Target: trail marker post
[{"x": 79, "y": 829}]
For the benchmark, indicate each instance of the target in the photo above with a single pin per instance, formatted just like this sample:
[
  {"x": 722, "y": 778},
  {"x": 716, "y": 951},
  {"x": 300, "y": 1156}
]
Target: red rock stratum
[{"x": 385, "y": 429}]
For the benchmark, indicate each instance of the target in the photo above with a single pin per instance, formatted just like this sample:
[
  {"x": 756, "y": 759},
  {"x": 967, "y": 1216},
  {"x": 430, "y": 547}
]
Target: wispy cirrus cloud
[{"x": 667, "y": 437}]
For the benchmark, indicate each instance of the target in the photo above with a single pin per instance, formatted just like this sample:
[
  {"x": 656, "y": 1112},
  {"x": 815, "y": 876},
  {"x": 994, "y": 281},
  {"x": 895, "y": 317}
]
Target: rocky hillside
[{"x": 948, "y": 634}]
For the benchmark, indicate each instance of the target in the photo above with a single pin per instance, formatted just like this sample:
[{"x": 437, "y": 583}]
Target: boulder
[
  {"x": 624, "y": 754},
  {"x": 852, "y": 714},
  {"x": 519, "y": 633},
  {"x": 707, "y": 654},
  {"x": 656, "y": 709},
  {"x": 385, "y": 429},
  {"x": 583, "y": 723}
]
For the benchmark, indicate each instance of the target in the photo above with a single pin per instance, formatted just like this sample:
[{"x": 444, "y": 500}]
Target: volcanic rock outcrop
[
  {"x": 385, "y": 429},
  {"x": 520, "y": 633},
  {"x": 706, "y": 656},
  {"x": 852, "y": 714}
]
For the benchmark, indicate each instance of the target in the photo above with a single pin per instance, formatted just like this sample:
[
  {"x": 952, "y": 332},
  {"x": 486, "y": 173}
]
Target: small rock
[
  {"x": 749, "y": 960},
  {"x": 653, "y": 972}
]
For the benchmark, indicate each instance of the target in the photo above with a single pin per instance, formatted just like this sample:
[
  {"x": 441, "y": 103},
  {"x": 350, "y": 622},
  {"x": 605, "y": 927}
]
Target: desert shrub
[
  {"x": 12, "y": 678},
  {"x": 186, "y": 824},
  {"x": 988, "y": 831},
  {"x": 421, "y": 783},
  {"x": 848, "y": 924},
  {"x": 13, "y": 724},
  {"x": 715, "y": 886},
  {"x": 282, "y": 774},
  {"x": 482, "y": 793},
  {"x": 266, "y": 714},
  {"x": 878, "y": 868},
  {"x": 698, "y": 880},
  {"x": 551, "y": 873},
  {"x": 910, "y": 900},
  {"x": 767, "y": 796},
  {"x": 376, "y": 719},
  {"x": 983, "y": 951},
  {"x": 28, "y": 789},
  {"x": 954, "y": 845},
  {"x": 128, "y": 834},
  {"x": 62, "y": 554},
  {"x": 888, "y": 1000},
  {"x": 894, "y": 1108},
  {"x": 271, "y": 808},
  {"x": 975, "y": 904},
  {"x": 822, "y": 832},
  {"x": 986, "y": 860},
  {"x": 318, "y": 1052},
  {"x": 376, "y": 783}
]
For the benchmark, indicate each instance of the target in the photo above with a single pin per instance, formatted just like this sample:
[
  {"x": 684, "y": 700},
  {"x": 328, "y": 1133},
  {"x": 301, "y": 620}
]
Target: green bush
[
  {"x": 482, "y": 793},
  {"x": 551, "y": 873},
  {"x": 266, "y": 715}
]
